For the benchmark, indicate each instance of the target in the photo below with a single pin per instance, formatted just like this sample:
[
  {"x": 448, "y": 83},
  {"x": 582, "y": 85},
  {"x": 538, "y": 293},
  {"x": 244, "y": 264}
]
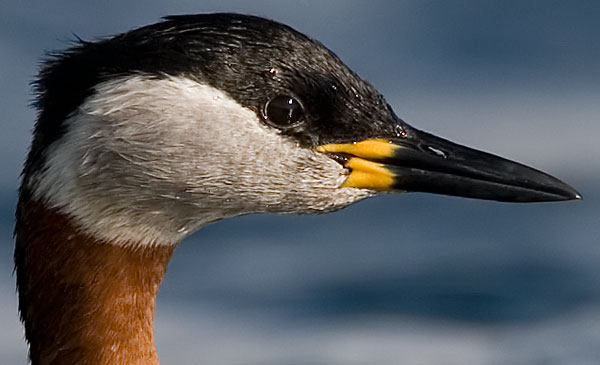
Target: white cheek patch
[{"x": 148, "y": 161}]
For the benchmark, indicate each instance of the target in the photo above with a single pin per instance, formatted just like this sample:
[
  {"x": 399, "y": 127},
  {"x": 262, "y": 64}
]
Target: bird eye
[{"x": 284, "y": 111}]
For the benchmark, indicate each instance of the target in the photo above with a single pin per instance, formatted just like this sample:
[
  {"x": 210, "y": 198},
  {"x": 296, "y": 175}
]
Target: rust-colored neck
[{"x": 84, "y": 301}]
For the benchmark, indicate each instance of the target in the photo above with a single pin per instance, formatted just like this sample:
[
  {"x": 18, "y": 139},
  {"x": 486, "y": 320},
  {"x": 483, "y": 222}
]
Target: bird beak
[{"x": 421, "y": 162}]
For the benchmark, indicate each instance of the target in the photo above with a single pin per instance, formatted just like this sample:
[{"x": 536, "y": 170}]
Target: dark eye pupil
[{"x": 284, "y": 110}]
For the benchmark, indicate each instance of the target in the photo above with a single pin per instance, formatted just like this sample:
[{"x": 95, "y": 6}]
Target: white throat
[{"x": 148, "y": 161}]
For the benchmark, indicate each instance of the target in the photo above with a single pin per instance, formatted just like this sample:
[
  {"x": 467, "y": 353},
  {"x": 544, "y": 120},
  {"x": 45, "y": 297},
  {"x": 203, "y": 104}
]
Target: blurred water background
[{"x": 398, "y": 279}]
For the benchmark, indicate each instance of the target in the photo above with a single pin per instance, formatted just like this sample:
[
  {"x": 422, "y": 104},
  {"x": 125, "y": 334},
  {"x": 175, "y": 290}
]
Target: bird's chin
[{"x": 329, "y": 201}]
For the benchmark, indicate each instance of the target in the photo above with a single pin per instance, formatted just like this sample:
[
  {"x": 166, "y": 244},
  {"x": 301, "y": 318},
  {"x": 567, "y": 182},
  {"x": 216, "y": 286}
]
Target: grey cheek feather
[{"x": 149, "y": 161}]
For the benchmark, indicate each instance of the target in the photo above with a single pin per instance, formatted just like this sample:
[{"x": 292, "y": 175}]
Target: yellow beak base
[{"x": 365, "y": 173}]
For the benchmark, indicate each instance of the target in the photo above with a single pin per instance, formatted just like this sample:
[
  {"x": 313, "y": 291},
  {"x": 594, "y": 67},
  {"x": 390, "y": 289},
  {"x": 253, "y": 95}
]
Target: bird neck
[{"x": 82, "y": 300}]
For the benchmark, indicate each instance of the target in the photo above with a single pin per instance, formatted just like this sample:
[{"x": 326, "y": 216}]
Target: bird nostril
[{"x": 434, "y": 151}]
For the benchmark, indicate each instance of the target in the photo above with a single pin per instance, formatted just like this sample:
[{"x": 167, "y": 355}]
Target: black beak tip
[
  {"x": 561, "y": 190},
  {"x": 573, "y": 195},
  {"x": 557, "y": 190}
]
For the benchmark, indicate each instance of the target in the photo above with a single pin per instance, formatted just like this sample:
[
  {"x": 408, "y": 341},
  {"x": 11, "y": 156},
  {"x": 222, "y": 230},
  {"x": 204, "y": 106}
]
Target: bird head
[{"x": 157, "y": 131}]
